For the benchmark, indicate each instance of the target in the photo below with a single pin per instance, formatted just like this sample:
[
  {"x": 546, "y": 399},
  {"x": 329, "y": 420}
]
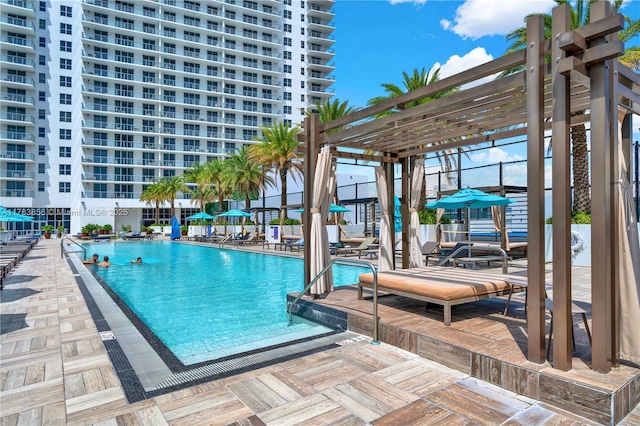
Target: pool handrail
[
  {"x": 505, "y": 256},
  {"x": 84, "y": 250},
  {"x": 352, "y": 262}
]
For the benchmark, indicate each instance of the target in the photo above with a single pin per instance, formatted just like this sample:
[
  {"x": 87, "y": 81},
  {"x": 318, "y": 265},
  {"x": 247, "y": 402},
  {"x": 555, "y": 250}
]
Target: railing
[
  {"x": 352, "y": 262},
  {"x": 82, "y": 249}
]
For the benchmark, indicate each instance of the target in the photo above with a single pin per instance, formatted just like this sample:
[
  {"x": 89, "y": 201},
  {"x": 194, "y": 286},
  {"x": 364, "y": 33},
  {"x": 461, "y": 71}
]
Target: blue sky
[{"x": 377, "y": 40}]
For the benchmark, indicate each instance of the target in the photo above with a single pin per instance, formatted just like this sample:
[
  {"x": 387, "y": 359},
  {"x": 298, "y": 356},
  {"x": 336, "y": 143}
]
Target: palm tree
[
  {"x": 216, "y": 170},
  {"x": 419, "y": 79},
  {"x": 153, "y": 195},
  {"x": 580, "y": 15},
  {"x": 199, "y": 174},
  {"x": 278, "y": 150},
  {"x": 170, "y": 186},
  {"x": 246, "y": 175}
]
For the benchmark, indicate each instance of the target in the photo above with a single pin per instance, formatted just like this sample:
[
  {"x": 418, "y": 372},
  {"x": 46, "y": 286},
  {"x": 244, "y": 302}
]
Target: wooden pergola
[{"x": 584, "y": 82}]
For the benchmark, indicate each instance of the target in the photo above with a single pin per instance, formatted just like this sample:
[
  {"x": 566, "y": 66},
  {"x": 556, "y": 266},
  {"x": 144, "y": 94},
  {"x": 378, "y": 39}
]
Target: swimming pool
[{"x": 205, "y": 303}]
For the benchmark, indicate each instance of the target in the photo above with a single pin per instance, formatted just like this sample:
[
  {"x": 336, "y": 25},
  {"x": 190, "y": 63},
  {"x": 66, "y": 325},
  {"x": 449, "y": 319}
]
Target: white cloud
[
  {"x": 479, "y": 18},
  {"x": 494, "y": 155},
  {"x": 456, "y": 64}
]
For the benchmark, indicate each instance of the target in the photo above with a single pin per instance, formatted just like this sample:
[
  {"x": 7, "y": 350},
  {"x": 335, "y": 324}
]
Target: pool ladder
[
  {"x": 82, "y": 249},
  {"x": 351, "y": 262}
]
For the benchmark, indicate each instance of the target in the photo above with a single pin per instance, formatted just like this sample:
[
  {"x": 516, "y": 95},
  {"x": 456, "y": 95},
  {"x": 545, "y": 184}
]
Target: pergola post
[
  {"x": 535, "y": 190},
  {"x": 389, "y": 174},
  {"x": 561, "y": 183},
  {"x": 603, "y": 251},
  {"x": 311, "y": 157}
]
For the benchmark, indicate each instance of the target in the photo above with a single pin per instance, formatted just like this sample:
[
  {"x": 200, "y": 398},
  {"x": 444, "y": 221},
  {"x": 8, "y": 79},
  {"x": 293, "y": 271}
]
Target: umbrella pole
[{"x": 469, "y": 231}]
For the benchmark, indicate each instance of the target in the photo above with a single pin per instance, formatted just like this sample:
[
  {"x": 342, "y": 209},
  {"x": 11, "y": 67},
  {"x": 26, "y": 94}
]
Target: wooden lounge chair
[{"x": 444, "y": 286}]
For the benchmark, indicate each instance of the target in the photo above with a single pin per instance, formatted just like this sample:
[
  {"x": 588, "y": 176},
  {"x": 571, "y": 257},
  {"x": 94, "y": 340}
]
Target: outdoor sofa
[{"x": 444, "y": 286}]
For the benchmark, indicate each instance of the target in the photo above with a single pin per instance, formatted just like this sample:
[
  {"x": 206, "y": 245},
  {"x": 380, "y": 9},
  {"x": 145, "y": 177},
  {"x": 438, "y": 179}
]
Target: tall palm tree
[
  {"x": 153, "y": 195},
  {"x": 246, "y": 175},
  {"x": 199, "y": 174},
  {"x": 170, "y": 186},
  {"x": 580, "y": 16},
  {"x": 417, "y": 80},
  {"x": 216, "y": 170},
  {"x": 278, "y": 150}
]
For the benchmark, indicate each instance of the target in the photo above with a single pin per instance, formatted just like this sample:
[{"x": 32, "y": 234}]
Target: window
[
  {"x": 302, "y": 31},
  {"x": 65, "y": 152},
  {"x": 65, "y": 99},
  {"x": 64, "y": 187},
  {"x": 287, "y": 41},
  {"x": 301, "y": 71},
  {"x": 42, "y": 77},
  {"x": 65, "y": 46},
  {"x": 65, "y": 134},
  {"x": 41, "y": 132},
  {"x": 66, "y": 29},
  {"x": 65, "y": 116},
  {"x": 287, "y": 14},
  {"x": 42, "y": 60},
  {"x": 287, "y": 69},
  {"x": 65, "y": 81},
  {"x": 43, "y": 42},
  {"x": 287, "y": 28},
  {"x": 42, "y": 24},
  {"x": 302, "y": 84},
  {"x": 302, "y": 98},
  {"x": 41, "y": 149},
  {"x": 302, "y": 17},
  {"x": 287, "y": 96},
  {"x": 302, "y": 44},
  {"x": 42, "y": 96},
  {"x": 41, "y": 168},
  {"x": 286, "y": 82},
  {"x": 42, "y": 114},
  {"x": 40, "y": 186},
  {"x": 65, "y": 169},
  {"x": 43, "y": 6},
  {"x": 287, "y": 55},
  {"x": 287, "y": 109},
  {"x": 66, "y": 11},
  {"x": 65, "y": 64}
]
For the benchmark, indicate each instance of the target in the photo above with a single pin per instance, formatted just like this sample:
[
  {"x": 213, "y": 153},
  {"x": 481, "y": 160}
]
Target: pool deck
[{"x": 55, "y": 369}]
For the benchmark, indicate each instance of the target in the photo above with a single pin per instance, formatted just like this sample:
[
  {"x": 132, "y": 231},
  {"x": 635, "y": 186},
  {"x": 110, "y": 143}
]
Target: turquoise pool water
[{"x": 204, "y": 303}]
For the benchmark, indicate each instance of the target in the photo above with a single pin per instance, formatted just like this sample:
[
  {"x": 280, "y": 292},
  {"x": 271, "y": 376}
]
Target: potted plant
[
  {"x": 60, "y": 231},
  {"x": 126, "y": 228},
  {"x": 184, "y": 230},
  {"x": 47, "y": 231},
  {"x": 106, "y": 228}
]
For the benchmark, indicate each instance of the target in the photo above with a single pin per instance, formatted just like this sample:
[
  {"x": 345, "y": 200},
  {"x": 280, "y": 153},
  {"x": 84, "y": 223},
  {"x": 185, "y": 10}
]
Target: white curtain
[
  {"x": 496, "y": 214},
  {"x": 415, "y": 249},
  {"x": 628, "y": 261},
  {"x": 386, "y": 253},
  {"x": 323, "y": 186}
]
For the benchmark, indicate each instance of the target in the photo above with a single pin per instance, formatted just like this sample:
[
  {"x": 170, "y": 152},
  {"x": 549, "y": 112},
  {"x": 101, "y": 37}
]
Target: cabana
[{"x": 586, "y": 84}]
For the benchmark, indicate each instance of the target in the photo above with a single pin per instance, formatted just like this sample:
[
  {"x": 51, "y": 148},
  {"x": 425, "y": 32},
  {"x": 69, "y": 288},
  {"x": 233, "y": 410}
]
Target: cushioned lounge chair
[{"x": 364, "y": 245}]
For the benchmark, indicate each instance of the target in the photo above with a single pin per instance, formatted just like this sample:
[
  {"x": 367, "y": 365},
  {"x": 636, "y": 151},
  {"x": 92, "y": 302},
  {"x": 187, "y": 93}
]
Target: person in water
[
  {"x": 138, "y": 260},
  {"x": 94, "y": 259},
  {"x": 105, "y": 261}
]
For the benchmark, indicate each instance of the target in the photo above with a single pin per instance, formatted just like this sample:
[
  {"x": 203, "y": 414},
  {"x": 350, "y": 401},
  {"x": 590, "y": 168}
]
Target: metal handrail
[
  {"x": 84, "y": 250},
  {"x": 352, "y": 262},
  {"x": 505, "y": 263}
]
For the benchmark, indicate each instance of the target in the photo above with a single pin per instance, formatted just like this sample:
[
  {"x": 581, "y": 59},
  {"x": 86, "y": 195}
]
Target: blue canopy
[
  {"x": 235, "y": 213},
  {"x": 334, "y": 208},
  {"x": 471, "y": 199},
  {"x": 201, "y": 215},
  {"x": 175, "y": 229}
]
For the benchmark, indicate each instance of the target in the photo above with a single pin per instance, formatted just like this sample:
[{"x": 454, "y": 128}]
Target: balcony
[
  {"x": 16, "y": 155},
  {"x": 17, "y": 174},
  {"x": 18, "y": 193},
  {"x": 17, "y": 136},
  {"x": 19, "y": 117}
]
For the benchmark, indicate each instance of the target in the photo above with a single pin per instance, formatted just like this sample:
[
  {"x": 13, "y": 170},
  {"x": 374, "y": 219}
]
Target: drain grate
[{"x": 247, "y": 361}]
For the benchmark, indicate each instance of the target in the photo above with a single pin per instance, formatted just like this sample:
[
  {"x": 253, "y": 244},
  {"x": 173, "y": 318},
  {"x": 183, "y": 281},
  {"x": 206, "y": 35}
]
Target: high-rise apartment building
[{"x": 101, "y": 98}]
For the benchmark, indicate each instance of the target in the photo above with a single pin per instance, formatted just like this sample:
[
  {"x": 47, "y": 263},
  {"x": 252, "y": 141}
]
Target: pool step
[{"x": 233, "y": 365}]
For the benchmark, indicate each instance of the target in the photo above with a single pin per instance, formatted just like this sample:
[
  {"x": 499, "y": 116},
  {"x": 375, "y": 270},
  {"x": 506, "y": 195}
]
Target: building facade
[{"x": 101, "y": 98}]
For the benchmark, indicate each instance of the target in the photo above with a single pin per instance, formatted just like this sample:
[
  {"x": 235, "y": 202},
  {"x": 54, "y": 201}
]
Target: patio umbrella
[
  {"x": 334, "y": 208},
  {"x": 175, "y": 229},
  {"x": 201, "y": 216},
  {"x": 468, "y": 199},
  {"x": 234, "y": 213}
]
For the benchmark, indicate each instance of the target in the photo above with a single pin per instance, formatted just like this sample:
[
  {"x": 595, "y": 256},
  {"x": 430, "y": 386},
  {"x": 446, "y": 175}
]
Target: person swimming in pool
[
  {"x": 105, "y": 262},
  {"x": 94, "y": 259},
  {"x": 138, "y": 260}
]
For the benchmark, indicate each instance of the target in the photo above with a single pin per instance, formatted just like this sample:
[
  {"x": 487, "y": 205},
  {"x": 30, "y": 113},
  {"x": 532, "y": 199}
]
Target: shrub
[
  {"x": 47, "y": 228},
  {"x": 578, "y": 218},
  {"x": 429, "y": 216},
  {"x": 287, "y": 221},
  {"x": 107, "y": 227}
]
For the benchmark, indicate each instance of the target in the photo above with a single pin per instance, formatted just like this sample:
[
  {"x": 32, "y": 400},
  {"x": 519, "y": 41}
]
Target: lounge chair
[
  {"x": 364, "y": 246},
  {"x": 349, "y": 237},
  {"x": 291, "y": 245},
  {"x": 444, "y": 286},
  {"x": 428, "y": 249}
]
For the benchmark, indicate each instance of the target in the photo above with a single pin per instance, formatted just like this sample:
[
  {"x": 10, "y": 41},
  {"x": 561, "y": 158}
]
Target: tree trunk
[
  {"x": 283, "y": 195},
  {"x": 173, "y": 209},
  {"x": 157, "y": 212},
  {"x": 581, "y": 190}
]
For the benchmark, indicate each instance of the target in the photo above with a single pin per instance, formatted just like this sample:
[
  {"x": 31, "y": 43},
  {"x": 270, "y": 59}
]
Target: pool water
[{"x": 205, "y": 303}]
